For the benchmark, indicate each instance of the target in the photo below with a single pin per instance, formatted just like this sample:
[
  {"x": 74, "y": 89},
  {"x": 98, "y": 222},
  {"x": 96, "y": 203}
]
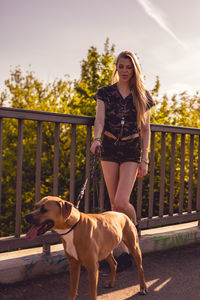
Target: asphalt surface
[{"x": 170, "y": 275}]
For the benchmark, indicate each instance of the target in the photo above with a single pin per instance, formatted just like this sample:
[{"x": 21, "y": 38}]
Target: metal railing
[{"x": 159, "y": 209}]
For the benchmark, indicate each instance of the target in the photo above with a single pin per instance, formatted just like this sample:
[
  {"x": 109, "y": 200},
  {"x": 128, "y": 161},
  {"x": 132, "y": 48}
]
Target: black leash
[
  {"x": 96, "y": 157},
  {"x": 81, "y": 194}
]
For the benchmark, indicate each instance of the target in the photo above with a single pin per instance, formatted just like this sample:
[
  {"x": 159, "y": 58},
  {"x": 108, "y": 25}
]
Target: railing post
[
  {"x": 19, "y": 178},
  {"x": 172, "y": 174},
  {"x": 72, "y": 163},
  {"x": 38, "y": 161},
  {"x": 198, "y": 181},
  {"x": 56, "y": 159},
  {"x": 190, "y": 173},
  {"x": 1, "y": 147},
  {"x": 87, "y": 170},
  {"x": 139, "y": 199},
  {"x": 151, "y": 181},
  {"x": 46, "y": 249},
  {"x": 162, "y": 174},
  {"x": 182, "y": 175}
]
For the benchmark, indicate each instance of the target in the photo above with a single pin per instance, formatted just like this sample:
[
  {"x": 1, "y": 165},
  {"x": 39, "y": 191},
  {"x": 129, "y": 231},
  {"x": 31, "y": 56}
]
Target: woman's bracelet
[
  {"x": 97, "y": 139},
  {"x": 146, "y": 160}
]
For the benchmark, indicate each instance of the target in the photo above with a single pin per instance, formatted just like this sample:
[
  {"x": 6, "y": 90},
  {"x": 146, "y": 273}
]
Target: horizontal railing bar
[
  {"x": 169, "y": 220},
  {"x": 15, "y": 113},
  {"x": 12, "y": 243},
  {"x": 25, "y": 114},
  {"x": 174, "y": 129}
]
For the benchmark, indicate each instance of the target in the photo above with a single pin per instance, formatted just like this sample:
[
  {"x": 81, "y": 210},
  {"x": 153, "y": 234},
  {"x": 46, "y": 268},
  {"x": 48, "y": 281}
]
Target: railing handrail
[
  {"x": 44, "y": 116},
  {"x": 35, "y": 115},
  {"x": 175, "y": 129}
]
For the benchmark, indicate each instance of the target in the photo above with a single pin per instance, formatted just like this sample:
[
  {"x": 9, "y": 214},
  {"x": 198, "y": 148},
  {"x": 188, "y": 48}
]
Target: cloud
[{"x": 155, "y": 14}]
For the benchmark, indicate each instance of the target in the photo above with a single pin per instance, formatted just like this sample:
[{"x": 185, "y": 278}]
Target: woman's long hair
[{"x": 136, "y": 85}]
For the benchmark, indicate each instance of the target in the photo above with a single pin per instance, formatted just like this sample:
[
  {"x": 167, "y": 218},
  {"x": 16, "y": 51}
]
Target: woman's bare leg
[
  {"x": 120, "y": 180},
  {"x": 127, "y": 175},
  {"x": 111, "y": 176}
]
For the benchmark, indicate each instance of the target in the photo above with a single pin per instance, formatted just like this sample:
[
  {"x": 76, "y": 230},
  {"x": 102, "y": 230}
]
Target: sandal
[
  {"x": 138, "y": 229},
  {"x": 124, "y": 262}
]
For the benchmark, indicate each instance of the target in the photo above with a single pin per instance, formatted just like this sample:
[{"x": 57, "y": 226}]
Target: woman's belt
[{"x": 125, "y": 138}]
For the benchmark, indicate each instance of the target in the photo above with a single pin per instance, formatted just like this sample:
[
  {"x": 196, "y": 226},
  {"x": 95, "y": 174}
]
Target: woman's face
[{"x": 125, "y": 69}]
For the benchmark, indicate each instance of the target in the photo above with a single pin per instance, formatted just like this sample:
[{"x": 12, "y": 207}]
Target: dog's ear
[{"x": 66, "y": 208}]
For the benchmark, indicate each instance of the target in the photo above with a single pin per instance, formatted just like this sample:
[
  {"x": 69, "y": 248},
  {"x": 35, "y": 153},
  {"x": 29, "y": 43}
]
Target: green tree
[
  {"x": 64, "y": 96},
  {"x": 27, "y": 92},
  {"x": 96, "y": 71},
  {"x": 179, "y": 110}
]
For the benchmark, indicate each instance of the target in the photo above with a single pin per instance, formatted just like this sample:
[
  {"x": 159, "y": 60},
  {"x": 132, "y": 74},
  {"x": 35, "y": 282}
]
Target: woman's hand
[
  {"x": 95, "y": 143},
  {"x": 143, "y": 169}
]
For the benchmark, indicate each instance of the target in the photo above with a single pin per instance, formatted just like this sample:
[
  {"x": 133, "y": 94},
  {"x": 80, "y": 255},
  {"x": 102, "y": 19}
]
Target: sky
[{"x": 52, "y": 37}]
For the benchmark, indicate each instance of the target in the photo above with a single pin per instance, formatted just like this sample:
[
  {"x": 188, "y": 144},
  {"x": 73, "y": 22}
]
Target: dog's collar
[{"x": 69, "y": 229}]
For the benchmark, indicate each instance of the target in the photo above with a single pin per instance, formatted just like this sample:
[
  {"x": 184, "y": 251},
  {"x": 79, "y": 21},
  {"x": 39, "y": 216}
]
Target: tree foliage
[
  {"x": 64, "y": 96},
  {"x": 96, "y": 71}
]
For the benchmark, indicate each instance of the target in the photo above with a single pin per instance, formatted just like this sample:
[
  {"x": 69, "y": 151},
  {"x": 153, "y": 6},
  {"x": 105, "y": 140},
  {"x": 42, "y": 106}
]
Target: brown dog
[{"x": 87, "y": 239}]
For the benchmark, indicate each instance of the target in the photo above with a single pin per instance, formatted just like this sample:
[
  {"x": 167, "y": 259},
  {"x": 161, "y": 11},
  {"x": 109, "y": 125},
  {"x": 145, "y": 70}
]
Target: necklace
[
  {"x": 122, "y": 104},
  {"x": 122, "y": 108}
]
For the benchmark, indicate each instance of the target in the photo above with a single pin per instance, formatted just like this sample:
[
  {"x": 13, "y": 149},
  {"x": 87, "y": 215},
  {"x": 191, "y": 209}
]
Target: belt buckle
[{"x": 116, "y": 143}]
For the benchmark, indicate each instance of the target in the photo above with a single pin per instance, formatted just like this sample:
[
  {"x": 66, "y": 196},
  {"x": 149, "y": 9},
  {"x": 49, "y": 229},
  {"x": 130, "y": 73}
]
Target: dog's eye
[{"x": 43, "y": 209}]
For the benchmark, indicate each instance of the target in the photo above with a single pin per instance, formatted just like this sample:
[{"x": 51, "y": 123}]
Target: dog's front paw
[
  {"x": 109, "y": 285},
  {"x": 143, "y": 291}
]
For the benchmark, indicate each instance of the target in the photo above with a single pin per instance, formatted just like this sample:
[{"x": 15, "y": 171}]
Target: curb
[
  {"x": 26, "y": 264},
  {"x": 170, "y": 237}
]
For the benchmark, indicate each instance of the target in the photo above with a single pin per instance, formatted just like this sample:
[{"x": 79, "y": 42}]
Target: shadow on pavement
[{"x": 170, "y": 275}]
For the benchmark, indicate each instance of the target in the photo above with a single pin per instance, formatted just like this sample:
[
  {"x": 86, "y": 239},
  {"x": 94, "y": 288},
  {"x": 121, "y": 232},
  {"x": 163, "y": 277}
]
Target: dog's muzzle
[
  {"x": 37, "y": 229},
  {"x": 29, "y": 218}
]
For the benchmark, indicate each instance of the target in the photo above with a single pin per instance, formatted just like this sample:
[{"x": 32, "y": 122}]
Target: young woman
[{"x": 123, "y": 122}]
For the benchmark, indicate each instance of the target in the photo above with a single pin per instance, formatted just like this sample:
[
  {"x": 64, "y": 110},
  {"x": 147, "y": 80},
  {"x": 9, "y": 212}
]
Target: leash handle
[
  {"x": 96, "y": 157},
  {"x": 98, "y": 151}
]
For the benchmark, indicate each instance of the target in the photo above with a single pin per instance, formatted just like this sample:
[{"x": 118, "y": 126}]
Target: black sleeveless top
[{"x": 117, "y": 107}]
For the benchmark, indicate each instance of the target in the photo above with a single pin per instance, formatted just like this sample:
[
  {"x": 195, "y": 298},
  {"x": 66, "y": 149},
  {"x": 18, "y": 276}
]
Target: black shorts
[{"x": 125, "y": 151}]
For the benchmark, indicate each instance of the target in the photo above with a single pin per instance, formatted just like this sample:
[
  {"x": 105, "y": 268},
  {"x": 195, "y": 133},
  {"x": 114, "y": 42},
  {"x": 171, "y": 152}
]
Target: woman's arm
[
  {"x": 98, "y": 125},
  {"x": 145, "y": 141},
  {"x": 145, "y": 137}
]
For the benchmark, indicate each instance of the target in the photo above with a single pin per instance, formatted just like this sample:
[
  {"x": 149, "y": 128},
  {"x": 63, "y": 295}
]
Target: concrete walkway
[
  {"x": 26, "y": 264},
  {"x": 172, "y": 274}
]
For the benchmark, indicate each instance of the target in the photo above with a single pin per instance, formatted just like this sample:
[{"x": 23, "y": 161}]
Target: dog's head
[{"x": 50, "y": 213}]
